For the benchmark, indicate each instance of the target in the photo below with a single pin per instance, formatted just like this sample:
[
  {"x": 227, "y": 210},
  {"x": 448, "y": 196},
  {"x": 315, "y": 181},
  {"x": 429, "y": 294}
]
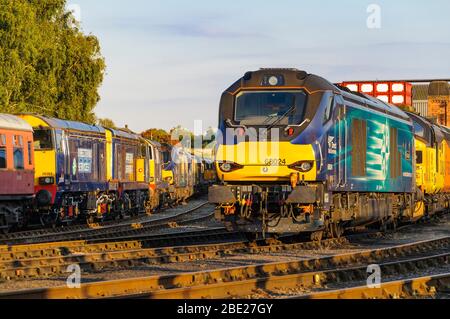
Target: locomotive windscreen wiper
[
  {"x": 282, "y": 117},
  {"x": 230, "y": 124}
]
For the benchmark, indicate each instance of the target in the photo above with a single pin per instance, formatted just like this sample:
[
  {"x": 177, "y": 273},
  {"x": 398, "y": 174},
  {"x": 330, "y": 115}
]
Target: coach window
[
  {"x": 3, "y": 163},
  {"x": 30, "y": 158},
  {"x": 18, "y": 152},
  {"x": 59, "y": 142},
  {"x": 18, "y": 158}
]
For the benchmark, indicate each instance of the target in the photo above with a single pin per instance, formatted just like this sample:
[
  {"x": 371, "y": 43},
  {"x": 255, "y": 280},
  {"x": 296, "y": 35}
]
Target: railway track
[
  {"x": 247, "y": 280},
  {"x": 132, "y": 227},
  {"x": 430, "y": 286},
  {"x": 52, "y": 261}
]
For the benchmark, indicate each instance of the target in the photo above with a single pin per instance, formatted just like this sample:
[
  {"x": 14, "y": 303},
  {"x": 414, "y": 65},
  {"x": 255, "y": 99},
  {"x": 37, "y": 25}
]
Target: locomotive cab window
[
  {"x": 43, "y": 139},
  {"x": 265, "y": 108},
  {"x": 419, "y": 130}
]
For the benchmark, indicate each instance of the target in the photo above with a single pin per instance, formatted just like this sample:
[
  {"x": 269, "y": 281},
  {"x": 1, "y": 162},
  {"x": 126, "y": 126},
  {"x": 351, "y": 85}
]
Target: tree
[
  {"x": 157, "y": 135},
  {"x": 108, "y": 123},
  {"x": 47, "y": 65}
]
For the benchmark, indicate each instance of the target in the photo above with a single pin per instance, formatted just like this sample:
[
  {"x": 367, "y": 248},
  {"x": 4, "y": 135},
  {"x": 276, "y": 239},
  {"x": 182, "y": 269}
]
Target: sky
[{"x": 169, "y": 61}]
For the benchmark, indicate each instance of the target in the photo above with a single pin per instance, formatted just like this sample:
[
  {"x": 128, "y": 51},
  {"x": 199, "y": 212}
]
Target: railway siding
[{"x": 240, "y": 281}]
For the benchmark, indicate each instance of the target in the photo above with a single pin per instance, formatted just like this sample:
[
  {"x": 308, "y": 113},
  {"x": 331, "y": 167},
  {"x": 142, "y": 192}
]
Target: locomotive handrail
[{"x": 299, "y": 125}]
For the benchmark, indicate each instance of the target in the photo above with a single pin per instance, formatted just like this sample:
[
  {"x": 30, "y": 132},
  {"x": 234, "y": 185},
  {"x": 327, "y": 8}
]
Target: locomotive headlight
[
  {"x": 306, "y": 166},
  {"x": 273, "y": 80},
  {"x": 46, "y": 180},
  {"x": 303, "y": 166},
  {"x": 229, "y": 167},
  {"x": 226, "y": 167}
]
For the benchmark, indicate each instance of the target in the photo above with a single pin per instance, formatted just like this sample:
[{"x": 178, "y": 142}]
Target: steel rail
[
  {"x": 60, "y": 249},
  {"x": 123, "y": 259},
  {"x": 74, "y": 228},
  {"x": 408, "y": 288},
  {"x": 102, "y": 231},
  {"x": 245, "y": 280},
  {"x": 78, "y": 228}
]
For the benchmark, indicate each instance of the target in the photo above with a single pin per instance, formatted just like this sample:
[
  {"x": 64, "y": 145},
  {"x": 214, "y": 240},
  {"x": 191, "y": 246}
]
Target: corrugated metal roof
[
  {"x": 11, "y": 122},
  {"x": 420, "y": 92}
]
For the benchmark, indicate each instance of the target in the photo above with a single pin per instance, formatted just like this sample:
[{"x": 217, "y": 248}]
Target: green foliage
[
  {"x": 157, "y": 135},
  {"x": 47, "y": 65},
  {"x": 108, "y": 123}
]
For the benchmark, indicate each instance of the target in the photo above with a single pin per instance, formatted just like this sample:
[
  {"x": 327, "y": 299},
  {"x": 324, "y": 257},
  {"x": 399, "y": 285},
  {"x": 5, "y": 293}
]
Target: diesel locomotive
[{"x": 298, "y": 154}]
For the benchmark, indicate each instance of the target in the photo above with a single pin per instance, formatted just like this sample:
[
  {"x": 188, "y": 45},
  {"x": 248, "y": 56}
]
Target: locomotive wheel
[
  {"x": 4, "y": 227},
  {"x": 90, "y": 219},
  {"x": 337, "y": 230},
  {"x": 394, "y": 224},
  {"x": 383, "y": 226},
  {"x": 49, "y": 220},
  {"x": 317, "y": 236}
]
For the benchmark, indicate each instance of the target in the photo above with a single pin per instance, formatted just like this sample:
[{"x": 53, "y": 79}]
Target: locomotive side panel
[{"x": 376, "y": 154}]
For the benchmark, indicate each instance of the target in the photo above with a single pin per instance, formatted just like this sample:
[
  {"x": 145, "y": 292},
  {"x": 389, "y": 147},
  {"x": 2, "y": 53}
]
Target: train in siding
[
  {"x": 298, "y": 154},
  {"x": 71, "y": 171},
  {"x": 16, "y": 170}
]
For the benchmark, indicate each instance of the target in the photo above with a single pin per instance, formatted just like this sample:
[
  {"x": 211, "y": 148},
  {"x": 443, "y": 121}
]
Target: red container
[{"x": 397, "y": 93}]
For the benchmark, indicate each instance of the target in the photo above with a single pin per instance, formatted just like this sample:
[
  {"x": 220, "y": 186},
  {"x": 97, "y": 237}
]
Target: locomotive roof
[
  {"x": 11, "y": 122},
  {"x": 373, "y": 103},
  {"x": 124, "y": 134},
  {"x": 71, "y": 125},
  {"x": 446, "y": 132},
  {"x": 313, "y": 83},
  {"x": 292, "y": 77}
]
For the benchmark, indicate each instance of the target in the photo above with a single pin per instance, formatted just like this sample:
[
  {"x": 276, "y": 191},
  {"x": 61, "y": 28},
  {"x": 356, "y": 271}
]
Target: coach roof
[{"x": 11, "y": 122}]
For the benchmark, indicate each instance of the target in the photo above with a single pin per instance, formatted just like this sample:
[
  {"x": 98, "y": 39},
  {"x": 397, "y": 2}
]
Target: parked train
[
  {"x": 55, "y": 171},
  {"x": 300, "y": 154}
]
